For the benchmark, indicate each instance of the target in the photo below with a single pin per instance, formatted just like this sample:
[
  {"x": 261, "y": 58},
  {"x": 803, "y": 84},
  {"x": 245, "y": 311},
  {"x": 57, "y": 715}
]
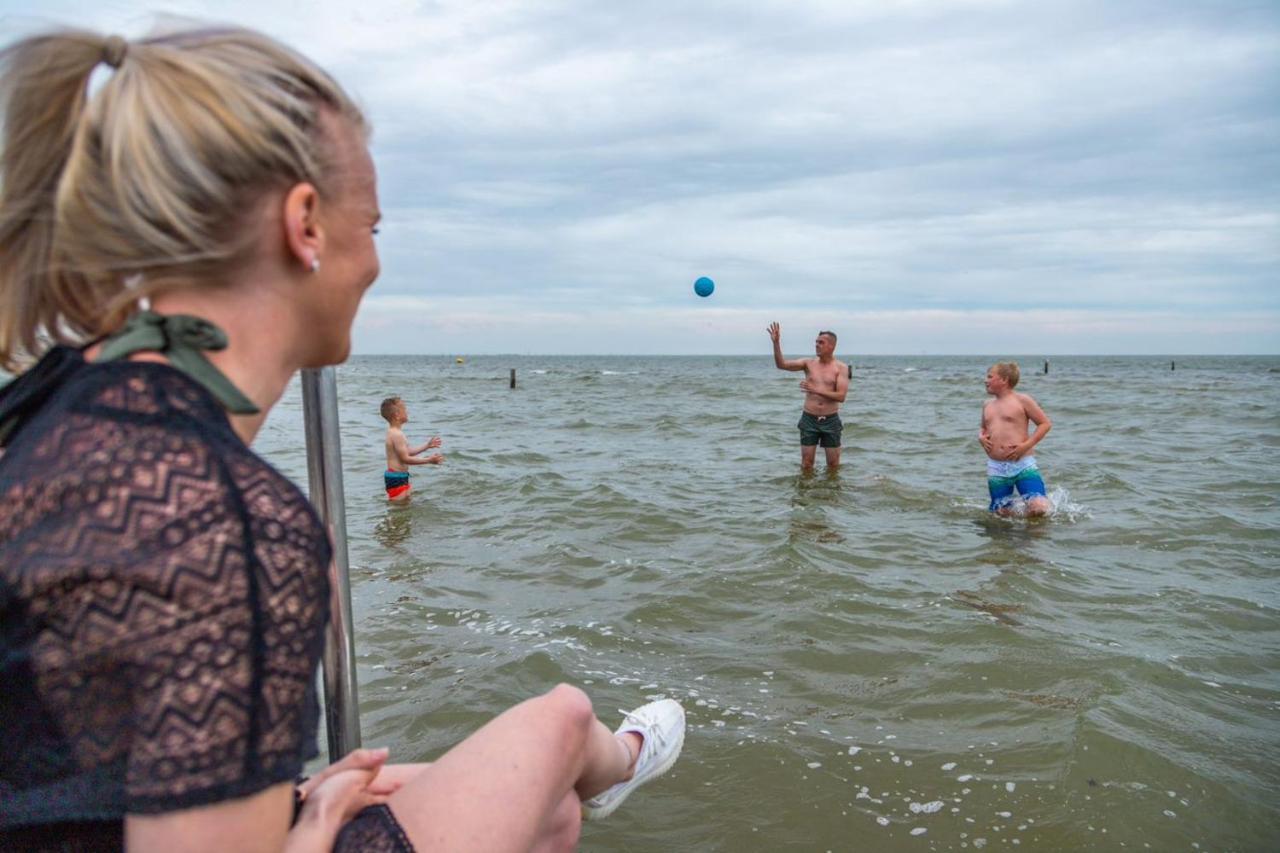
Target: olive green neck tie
[{"x": 181, "y": 338}]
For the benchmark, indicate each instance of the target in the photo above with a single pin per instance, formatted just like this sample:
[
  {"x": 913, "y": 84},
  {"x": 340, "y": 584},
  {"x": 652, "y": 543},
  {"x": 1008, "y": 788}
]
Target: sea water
[{"x": 869, "y": 660}]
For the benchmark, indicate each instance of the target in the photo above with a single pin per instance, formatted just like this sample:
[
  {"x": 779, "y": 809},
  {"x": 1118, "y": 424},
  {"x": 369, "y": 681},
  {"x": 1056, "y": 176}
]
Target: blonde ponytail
[
  {"x": 145, "y": 185},
  {"x": 44, "y": 80}
]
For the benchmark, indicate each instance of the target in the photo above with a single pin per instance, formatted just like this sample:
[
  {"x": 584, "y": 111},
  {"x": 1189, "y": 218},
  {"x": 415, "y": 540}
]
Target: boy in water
[
  {"x": 399, "y": 455},
  {"x": 1004, "y": 436}
]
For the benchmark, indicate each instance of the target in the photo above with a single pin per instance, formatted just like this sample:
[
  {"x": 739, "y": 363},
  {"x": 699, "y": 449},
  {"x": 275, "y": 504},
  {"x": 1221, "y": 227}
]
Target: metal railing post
[{"x": 324, "y": 472}]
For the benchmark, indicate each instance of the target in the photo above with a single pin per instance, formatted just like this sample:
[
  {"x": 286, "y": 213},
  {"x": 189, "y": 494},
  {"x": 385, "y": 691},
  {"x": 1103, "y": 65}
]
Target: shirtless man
[
  {"x": 399, "y": 454},
  {"x": 825, "y": 385},
  {"x": 1010, "y": 464}
]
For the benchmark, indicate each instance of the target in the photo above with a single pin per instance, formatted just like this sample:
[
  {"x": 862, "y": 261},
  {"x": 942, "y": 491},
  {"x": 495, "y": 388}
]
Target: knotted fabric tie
[{"x": 182, "y": 339}]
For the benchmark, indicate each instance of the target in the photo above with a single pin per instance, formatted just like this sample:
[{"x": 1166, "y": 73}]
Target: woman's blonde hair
[{"x": 145, "y": 184}]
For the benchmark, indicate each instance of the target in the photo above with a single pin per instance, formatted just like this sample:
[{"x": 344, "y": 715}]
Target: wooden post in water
[
  {"x": 1046, "y": 367},
  {"x": 1171, "y": 365},
  {"x": 513, "y": 377}
]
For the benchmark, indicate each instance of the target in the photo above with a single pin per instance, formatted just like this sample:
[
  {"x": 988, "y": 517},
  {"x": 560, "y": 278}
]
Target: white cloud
[{"x": 1102, "y": 173}]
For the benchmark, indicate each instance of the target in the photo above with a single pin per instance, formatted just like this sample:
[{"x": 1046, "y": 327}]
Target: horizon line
[{"x": 1162, "y": 355}]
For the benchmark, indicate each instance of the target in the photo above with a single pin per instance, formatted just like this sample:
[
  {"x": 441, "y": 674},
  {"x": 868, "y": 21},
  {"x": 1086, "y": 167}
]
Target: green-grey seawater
[{"x": 869, "y": 661}]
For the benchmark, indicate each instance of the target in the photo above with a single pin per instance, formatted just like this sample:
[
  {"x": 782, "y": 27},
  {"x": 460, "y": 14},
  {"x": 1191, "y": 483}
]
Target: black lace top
[{"x": 163, "y": 593}]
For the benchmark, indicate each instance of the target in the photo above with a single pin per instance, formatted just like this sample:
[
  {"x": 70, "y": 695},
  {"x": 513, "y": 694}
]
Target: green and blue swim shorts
[{"x": 1003, "y": 478}]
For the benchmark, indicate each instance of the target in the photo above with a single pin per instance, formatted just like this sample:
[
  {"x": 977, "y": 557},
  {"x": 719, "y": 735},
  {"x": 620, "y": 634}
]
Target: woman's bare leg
[
  {"x": 563, "y": 827},
  {"x": 503, "y": 788}
]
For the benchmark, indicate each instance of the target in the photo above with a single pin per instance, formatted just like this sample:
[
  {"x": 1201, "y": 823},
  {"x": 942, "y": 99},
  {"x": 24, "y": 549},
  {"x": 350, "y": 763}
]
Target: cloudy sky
[{"x": 941, "y": 176}]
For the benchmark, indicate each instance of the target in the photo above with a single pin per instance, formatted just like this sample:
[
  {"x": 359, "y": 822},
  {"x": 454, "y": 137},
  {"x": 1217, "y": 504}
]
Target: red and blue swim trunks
[{"x": 397, "y": 483}]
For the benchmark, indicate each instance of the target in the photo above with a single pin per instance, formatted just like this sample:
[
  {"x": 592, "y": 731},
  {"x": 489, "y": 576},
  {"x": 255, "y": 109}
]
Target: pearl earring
[{"x": 315, "y": 264}]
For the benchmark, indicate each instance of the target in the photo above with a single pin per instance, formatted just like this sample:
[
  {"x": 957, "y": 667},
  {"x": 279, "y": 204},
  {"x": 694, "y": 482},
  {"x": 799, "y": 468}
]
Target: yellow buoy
[{"x": 459, "y": 360}]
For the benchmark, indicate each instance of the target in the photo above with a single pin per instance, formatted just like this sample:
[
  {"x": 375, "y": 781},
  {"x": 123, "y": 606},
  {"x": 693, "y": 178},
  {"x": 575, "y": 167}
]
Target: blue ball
[{"x": 704, "y": 286}]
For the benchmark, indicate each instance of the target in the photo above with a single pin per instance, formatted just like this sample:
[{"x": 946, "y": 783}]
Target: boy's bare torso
[
  {"x": 825, "y": 376},
  {"x": 1005, "y": 420},
  {"x": 394, "y": 435}
]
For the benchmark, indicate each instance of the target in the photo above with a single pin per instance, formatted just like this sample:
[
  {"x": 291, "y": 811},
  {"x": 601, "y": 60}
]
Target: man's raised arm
[{"x": 775, "y": 333}]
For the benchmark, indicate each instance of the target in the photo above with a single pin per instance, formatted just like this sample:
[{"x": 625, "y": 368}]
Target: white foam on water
[
  {"x": 814, "y": 765},
  {"x": 919, "y": 830},
  {"x": 964, "y": 778},
  {"x": 1062, "y": 505},
  {"x": 950, "y": 765},
  {"x": 926, "y": 808},
  {"x": 1009, "y": 786}
]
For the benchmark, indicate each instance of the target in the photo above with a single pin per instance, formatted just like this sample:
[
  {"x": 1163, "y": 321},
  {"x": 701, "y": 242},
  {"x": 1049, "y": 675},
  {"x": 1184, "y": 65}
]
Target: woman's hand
[
  {"x": 337, "y": 794},
  {"x": 358, "y": 759}
]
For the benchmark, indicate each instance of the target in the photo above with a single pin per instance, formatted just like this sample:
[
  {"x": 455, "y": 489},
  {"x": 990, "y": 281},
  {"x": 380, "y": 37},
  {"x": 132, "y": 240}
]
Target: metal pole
[{"x": 324, "y": 472}]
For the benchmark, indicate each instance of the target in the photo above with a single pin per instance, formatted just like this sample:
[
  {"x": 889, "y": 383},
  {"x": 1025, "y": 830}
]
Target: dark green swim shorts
[{"x": 821, "y": 430}]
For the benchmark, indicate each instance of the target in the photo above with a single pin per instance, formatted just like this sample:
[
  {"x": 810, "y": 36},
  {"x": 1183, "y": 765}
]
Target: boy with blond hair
[
  {"x": 399, "y": 455},
  {"x": 1010, "y": 465}
]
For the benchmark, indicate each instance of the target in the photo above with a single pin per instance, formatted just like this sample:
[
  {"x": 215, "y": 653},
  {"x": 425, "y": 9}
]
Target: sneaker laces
[{"x": 648, "y": 731}]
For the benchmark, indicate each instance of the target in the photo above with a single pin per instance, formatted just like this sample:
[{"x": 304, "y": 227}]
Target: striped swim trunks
[{"x": 397, "y": 483}]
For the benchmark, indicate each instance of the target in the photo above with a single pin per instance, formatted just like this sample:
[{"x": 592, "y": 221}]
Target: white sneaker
[{"x": 661, "y": 725}]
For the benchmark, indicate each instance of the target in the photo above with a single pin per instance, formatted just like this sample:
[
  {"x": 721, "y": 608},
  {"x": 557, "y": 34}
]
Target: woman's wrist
[{"x": 313, "y": 829}]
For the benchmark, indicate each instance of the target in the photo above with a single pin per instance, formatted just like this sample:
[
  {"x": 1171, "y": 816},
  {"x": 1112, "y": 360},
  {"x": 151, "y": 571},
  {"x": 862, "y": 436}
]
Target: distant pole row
[{"x": 1172, "y": 366}]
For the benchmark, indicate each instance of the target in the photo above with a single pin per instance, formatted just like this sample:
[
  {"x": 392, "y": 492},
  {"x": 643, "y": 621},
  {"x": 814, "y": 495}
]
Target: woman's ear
[{"x": 303, "y": 233}]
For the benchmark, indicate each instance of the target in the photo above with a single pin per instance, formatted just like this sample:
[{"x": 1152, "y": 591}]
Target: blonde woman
[{"x": 173, "y": 248}]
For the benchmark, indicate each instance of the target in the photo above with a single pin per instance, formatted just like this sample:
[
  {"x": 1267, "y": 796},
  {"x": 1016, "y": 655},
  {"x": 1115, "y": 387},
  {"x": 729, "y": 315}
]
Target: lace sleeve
[
  {"x": 225, "y": 689},
  {"x": 180, "y": 588},
  {"x": 163, "y": 593}
]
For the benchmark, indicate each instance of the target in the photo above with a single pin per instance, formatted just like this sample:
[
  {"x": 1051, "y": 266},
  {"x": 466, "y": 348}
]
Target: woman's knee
[
  {"x": 563, "y": 827},
  {"x": 572, "y": 705},
  {"x": 567, "y": 712}
]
